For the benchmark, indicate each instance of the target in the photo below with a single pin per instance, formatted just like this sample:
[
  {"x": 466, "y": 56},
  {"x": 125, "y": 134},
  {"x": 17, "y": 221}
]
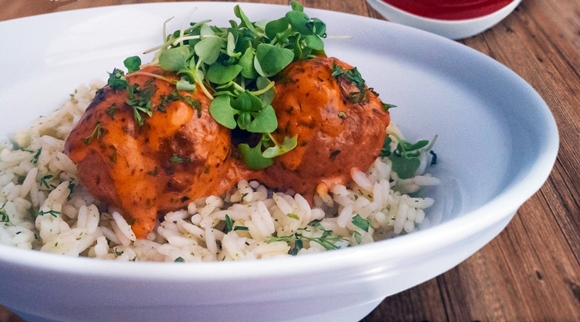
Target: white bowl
[
  {"x": 497, "y": 144},
  {"x": 453, "y": 29}
]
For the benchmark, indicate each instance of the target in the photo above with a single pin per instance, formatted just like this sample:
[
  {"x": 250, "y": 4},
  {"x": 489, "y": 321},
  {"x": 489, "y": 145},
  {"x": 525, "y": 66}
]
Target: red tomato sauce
[{"x": 449, "y": 9}]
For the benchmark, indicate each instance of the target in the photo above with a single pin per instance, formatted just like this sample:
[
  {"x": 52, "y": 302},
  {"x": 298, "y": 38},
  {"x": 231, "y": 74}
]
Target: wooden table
[{"x": 531, "y": 271}]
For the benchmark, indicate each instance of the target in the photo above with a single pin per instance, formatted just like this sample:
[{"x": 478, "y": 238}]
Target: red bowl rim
[{"x": 450, "y": 9}]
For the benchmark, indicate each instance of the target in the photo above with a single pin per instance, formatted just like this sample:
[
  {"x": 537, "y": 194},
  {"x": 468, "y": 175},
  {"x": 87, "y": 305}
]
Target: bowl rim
[{"x": 495, "y": 210}]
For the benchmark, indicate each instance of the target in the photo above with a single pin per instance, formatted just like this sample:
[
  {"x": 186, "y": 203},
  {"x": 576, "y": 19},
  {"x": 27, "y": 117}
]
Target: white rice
[{"x": 43, "y": 206}]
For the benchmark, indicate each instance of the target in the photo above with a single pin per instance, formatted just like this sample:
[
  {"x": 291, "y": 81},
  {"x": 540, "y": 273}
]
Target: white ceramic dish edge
[
  {"x": 453, "y": 29},
  {"x": 368, "y": 269}
]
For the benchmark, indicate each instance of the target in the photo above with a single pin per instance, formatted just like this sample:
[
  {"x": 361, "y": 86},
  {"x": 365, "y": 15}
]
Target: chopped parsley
[
  {"x": 96, "y": 134},
  {"x": 176, "y": 159},
  {"x": 111, "y": 111},
  {"x": 36, "y": 156},
  {"x": 51, "y": 212},
  {"x": 354, "y": 77},
  {"x": 44, "y": 181},
  {"x": 361, "y": 223},
  {"x": 293, "y": 216},
  {"x": 229, "y": 224},
  {"x": 3, "y": 215},
  {"x": 327, "y": 240}
]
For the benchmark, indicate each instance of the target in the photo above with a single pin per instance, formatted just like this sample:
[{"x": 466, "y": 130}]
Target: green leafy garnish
[
  {"x": 229, "y": 224},
  {"x": 36, "y": 156},
  {"x": 176, "y": 159},
  {"x": 111, "y": 111},
  {"x": 132, "y": 63},
  {"x": 293, "y": 216},
  {"x": 327, "y": 240},
  {"x": 44, "y": 181},
  {"x": 96, "y": 134},
  {"x": 353, "y": 77},
  {"x": 179, "y": 260},
  {"x": 361, "y": 223},
  {"x": 3, "y": 215},
  {"x": 117, "y": 80},
  {"x": 387, "y": 107},
  {"x": 234, "y": 67},
  {"x": 357, "y": 237},
  {"x": 51, "y": 212},
  {"x": 255, "y": 158},
  {"x": 406, "y": 157},
  {"x": 140, "y": 100}
]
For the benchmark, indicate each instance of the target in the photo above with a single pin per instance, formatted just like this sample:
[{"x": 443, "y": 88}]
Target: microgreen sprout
[
  {"x": 406, "y": 156},
  {"x": 234, "y": 66}
]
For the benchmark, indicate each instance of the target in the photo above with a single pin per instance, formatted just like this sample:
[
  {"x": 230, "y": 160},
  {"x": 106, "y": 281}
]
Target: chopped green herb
[
  {"x": 167, "y": 99},
  {"x": 176, "y": 159},
  {"x": 3, "y": 215},
  {"x": 357, "y": 237},
  {"x": 354, "y": 77},
  {"x": 327, "y": 240},
  {"x": 36, "y": 156},
  {"x": 71, "y": 185},
  {"x": 179, "y": 260},
  {"x": 96, "y": 134},
  {"x": 153, "y": 172},
  {"x": 229, "y": 224},
  {"x": 52, "y": 212},
  {"x": 240, "y": 228},
  {"x": 387, "y": 107},
  {"x": 293, "y": 216},
  {"x": 361, "y": 223},
  {"x": 113, "y": 157},
  {"x": 117, "y": 80},
  {"x": 140, "y": 100},
  {"x": 111, "y": 111},
  {"x": 233, "y": 66},
  {"x": 44, "y": 181}
]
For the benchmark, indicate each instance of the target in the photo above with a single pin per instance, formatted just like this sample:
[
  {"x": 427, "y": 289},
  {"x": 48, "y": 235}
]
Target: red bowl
[
  {"x": 450, "y": 9},
  {"x": 453, "y": 19}
]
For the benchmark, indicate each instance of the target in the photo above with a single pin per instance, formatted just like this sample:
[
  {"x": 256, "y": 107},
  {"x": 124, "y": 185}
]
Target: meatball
[
  {"x": 340, "y": 126},
  {"x": 144, "y": 164}
]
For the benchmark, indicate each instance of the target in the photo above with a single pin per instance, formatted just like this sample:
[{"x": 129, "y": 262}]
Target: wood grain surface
[{"x": 531, "y": 271}]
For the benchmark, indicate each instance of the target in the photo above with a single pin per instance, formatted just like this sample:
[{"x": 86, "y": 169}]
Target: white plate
[{"x": 497, "y": 142}]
